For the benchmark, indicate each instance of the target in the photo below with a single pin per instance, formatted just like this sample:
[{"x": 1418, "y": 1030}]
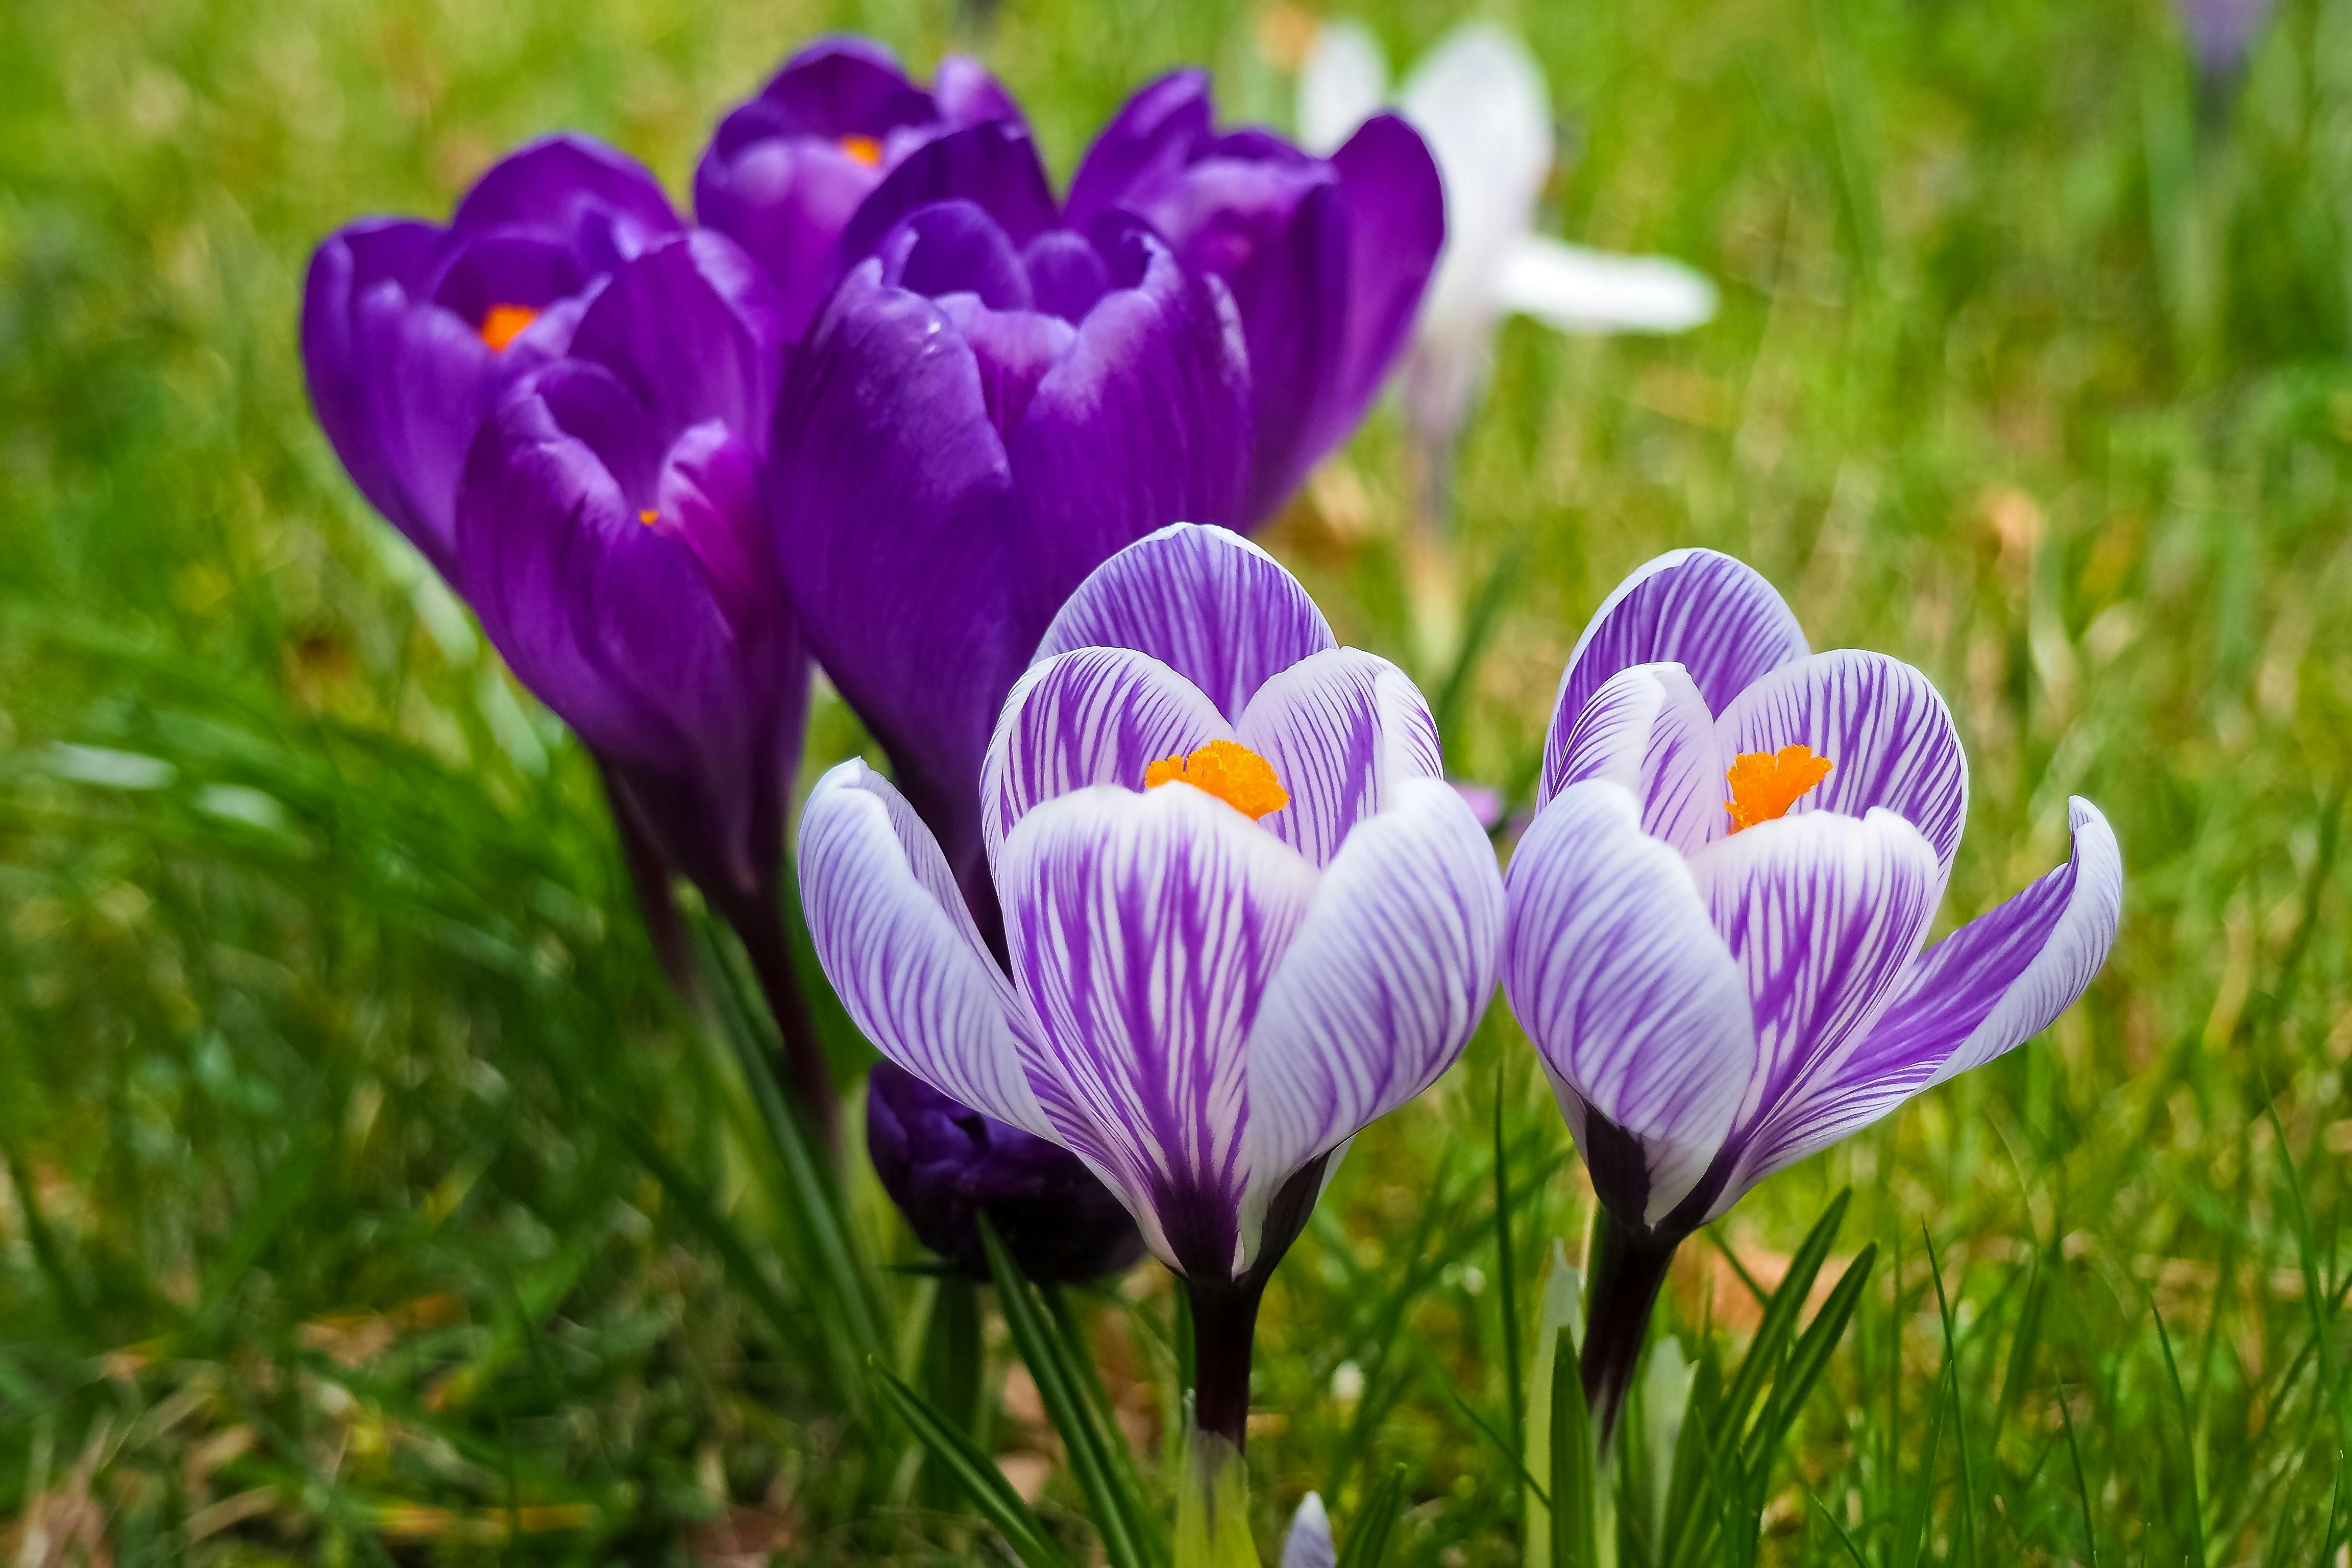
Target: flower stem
[
  {"x": 650, "y": 874},
  {"x": 1627, "y": 1267},
  {"x": 1225, "y": 1322},
  {"x": 807, "y": 1078}
]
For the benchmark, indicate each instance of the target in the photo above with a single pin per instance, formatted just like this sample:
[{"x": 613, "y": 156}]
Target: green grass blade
[
  {"x": 2187, "y": 1422},
  {"x": 1368, "y": 1533},
  {"x": 1779, "y": 1324},
  {"x": 982, "y": 1482},
  {"x": 1804, "y": 1366},
  {"x": 1507, "y": 1285},
  {"x": 1575, "y": 1506},
  {"x": 1960, "y": 1420},
  {"x": 2082, "y": 1481}
]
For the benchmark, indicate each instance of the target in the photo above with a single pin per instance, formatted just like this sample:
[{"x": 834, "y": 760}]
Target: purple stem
[
  {"x": 1225, "y": 1322},
  {"x": 1628, "y": 1266},
  {"x": 650, "y": 877},
  {"x": 807, "y": 1077}
]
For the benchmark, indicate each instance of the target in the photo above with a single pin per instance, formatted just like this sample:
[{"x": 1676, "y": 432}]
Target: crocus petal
[
  {"x": 1987, "y": 988},
  {"x": 1617, "y": 973},
  {"x": 1396, "y": 231},
  {"x": 1144, "y": 421},
  {"x": 1383, "y": 984},
  {"x": 902, "y": 952},
  {"x": 1205, "y": 602},
  {"x": 1309, "y": 1544},
  {"x": 1479, "y": 99},
  {"x": 992, "y": 164},
  {"x": 1145, "y": 929},
  {"x": 691, "y": 328},
  {"x": 1580, "y": 290},
  {"x": 1344, "y": 730},
  {"x": 1714, "y": 615},
  {"x": 1146, "y": 145},
  {"x": 1340, "y": 85},
  {"x": 1649, "y": 730},
  {"x": 1883, "y": 726},
  {"x": 1825, "y": 914},
  {"x": 1091, "y": 716},
  {"x": 565, "y": 184}
]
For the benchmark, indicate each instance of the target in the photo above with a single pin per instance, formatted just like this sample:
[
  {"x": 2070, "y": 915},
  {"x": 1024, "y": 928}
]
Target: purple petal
[
  {"x": 1143, "y": 423},
  {"x": 955, "y": 248},
  {"x": 901, "y": 948},
  {"x": 1066, "y": 274},
  {"x": 891, "y": 498},
  {"x": 1615, "y": 971},
  {"x": 967, "y": 94},
  {"x": 1648, "y": 730},
  {"x": 570, "y": 186},
  {"x": 1345, "y": 730},
  {"x": 1145, "y": 928},
  {"x": 1383, "y": 984},
  {"x": 1396, "y": 226},
  {"x": 1705, "y": 611},
  {"x": 1014, "y": 350},
  {"x": 1144, "y": 149},
  {"x": 835, "y": 86},
  {"x": 1884, "y": 729},
  {"x": 1091, "y": 716},
  {"x": 1208, "y": 604},
  {"x": 786, "y": 201},
  {"x": 707, "y": 496},
  {"x": 1825, "y": 914},
  {"x": 691, "y": 329},
  {"x": 1987, "y": 988},
  {"x": 429, "y": 381},
  {"x": 992, "y": 164},
  {"x": 1309, "y": 1544}
]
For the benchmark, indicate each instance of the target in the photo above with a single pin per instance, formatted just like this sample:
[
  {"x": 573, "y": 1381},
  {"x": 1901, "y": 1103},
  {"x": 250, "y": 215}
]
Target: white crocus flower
[{"x": 1479, "y": 99}]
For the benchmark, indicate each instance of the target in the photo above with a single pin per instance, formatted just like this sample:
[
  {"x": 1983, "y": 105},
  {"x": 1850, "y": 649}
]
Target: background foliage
[{"x": 336, "y": 1082}]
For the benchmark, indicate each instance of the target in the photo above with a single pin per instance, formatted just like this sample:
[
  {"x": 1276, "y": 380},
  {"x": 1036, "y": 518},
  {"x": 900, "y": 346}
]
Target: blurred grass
[{"x": 325, "y": 1030}]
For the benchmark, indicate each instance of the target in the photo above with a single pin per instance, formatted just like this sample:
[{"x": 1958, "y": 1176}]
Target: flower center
[
  {"x": 865, "y": 150},
  {"x": 1228, "y": 770},
  {"x": 502, "y": 324},
  {"x": 1765, "y": 785},
  {"x": 648, "y": 516}
]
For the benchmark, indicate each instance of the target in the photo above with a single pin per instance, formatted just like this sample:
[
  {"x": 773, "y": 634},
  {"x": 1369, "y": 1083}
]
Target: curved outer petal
[
  {"x": 839, "y": 86},
  {"x": 1309, "y": 1544},
  {"x": 1144, "y": 929},
  {"x": 1382, "y": 985},
  {"x": 785, "y": 201},
  {"x": 1989, "y": 987},
  {"x": 1883, "y": 726},
  {"x": 892, "y": 502},
  {"x": 1714, "y": 615},
  {"x": 1144, "y": 422},
  {"x": 1649, "y": 730},
  {"x": 901, "y": 948},
  {"x": 573, "y": 188},
  {"x": 1145, "y": 147},
  {"x": 992, "y": 164},
  {"x": 1396, "y": 232},
  {"x": 1616, "y": 972},
  {"x": 1340, "y": 85},
  {"x": 1824, "y": 915},
  {"x": 1091, "y": 716},
  {"x": 1345, "y": 730},
  {"x": 1205, "y": 602},
  {"x": 1579, "y": 291},
  {"x": 691, "y": 328}
]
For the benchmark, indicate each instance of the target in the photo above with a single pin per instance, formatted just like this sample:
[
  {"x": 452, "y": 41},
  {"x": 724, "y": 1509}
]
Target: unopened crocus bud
[{"x": 944, "y": 1164}]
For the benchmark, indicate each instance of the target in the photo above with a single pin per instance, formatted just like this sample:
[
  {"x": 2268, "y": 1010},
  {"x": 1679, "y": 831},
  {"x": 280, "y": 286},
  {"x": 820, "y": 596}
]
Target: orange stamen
[
  {"x": 502, "y": 324},
  {"x": 1228, "y": 770},
  {"x": 866, "y": 150},
  {"x": 1765, "y": 785},
  {"x": 649, "y": 517}
]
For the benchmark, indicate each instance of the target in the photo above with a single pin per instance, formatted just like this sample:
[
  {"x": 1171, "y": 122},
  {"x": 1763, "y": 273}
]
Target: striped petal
[
  {"x": 1880, "y": 723},
  {"x": 899, "y": 944},
  {"x": 1145, "y": 929},
  {"x": 1384, "y": 984},
  {"x": 1825, "y": 914},
  {"x": 1988, "y": 987},
  {"x": 1343, "y": 729},
  {"x": 1205, "y": 602},
  {"x": 1616, "y": 972},
  {"x": 1714, "y": 615},
  {"x": 1649, "y": 729},
  {"x": 1091, "y": 716}
]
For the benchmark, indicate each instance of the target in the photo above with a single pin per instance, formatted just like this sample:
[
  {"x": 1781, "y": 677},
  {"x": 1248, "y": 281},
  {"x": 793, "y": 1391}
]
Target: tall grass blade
[
  {"x": 1575, "y": 1478},
  {"x": 1367, "y": 1534},
  {"x": 982, "y": 1482}
]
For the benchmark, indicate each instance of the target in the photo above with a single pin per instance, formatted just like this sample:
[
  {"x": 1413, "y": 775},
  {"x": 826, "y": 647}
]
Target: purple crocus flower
[
  {"x": 2221, "y": 33},
  {"x": 1720, "y": 987},
  {"x": 944, "y": 1165},
  {"x": 1244, "y": 914},
  {"x": 1327, "y": 257},
  {"x": 612, "y": 539},
  {"x": 413, "y": 331},
  {"x": 788, "y": 168}
]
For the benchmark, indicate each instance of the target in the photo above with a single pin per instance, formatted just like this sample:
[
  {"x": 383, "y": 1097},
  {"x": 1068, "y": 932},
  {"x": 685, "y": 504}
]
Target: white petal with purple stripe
[
  {"x": 1712, "y": 615},
  {"x": 1649, "y": 729},
  {"x": 1342, "y": 728}
]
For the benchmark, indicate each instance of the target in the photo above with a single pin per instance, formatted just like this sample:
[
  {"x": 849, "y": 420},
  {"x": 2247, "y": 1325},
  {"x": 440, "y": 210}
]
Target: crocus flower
[
  {"x": 1716, "y": 917},
  {"x": 1309, "y": 1543},
  {"x": 1327, "y": 257},
  {"x": 1479, "y": 99},
  {"x": 788, "y": 167},
  {"x": 612, "y": 537},
  {"x": 1244, "y": 914},
  {"x": 2222, "y": 32},
  {"x": 944, "y": 1165},
  {"x": 413, "y": 331}
]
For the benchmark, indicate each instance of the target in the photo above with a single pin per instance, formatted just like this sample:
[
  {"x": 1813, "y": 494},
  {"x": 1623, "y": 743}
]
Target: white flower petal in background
[
  {"x": 1580, "y": 290},
  {"x": 1342, "y": 83}
]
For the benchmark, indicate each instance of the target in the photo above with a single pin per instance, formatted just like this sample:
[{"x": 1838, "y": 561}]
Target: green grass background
[{"x": 319, "y": 982}]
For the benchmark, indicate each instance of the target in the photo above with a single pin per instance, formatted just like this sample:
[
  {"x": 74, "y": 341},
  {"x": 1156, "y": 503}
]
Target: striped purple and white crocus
[
  {"x": 1244, "y": 914},
  {"x": 1718, "y": 916}
]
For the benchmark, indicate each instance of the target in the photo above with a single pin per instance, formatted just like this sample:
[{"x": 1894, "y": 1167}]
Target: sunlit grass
[{"x": 333, "y": 1057}]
